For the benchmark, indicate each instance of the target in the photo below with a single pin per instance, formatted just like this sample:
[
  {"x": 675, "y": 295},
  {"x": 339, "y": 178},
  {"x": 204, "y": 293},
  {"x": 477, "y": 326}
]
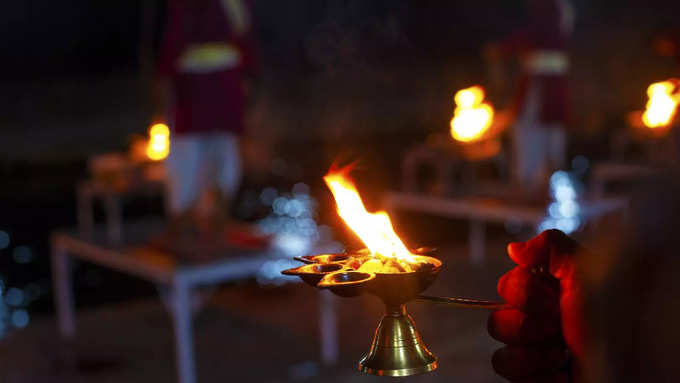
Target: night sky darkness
[
  {"x": 68, "y": 36},
  {"x": 81, "y": 36},
  {"x": 87, "y": 53}
]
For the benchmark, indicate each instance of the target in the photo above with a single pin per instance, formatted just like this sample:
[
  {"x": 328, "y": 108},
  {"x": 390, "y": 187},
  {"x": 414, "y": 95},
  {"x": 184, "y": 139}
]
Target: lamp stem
[{"x": 395, "y": 310}]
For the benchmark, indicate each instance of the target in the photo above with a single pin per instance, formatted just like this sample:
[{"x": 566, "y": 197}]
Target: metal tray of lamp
[
  {"x": 342, "y": 275},
  {"x": 397, "y": 348}
]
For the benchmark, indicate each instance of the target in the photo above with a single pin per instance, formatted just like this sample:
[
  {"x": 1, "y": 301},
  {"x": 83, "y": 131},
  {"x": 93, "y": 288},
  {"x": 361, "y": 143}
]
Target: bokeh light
[
  {"x": 15, "y": 297},
  {"x": 4, "y": 239},
  {"x": 19, "y": 318},
  {"x": 22, "y": 254},
  {"x": 564, "y": 211}
]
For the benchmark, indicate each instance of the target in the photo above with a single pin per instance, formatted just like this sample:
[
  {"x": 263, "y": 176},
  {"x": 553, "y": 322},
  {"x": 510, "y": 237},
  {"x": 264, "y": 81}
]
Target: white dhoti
[
  {"x": 539, "y": 148},
  {"x": 198, "y": 162}
]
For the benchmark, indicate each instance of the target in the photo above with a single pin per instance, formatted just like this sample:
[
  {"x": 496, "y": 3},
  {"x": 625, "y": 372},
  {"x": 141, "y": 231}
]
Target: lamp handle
[{"x": 463, "y": 303}]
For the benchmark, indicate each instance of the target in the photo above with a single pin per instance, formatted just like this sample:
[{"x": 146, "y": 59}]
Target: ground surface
[{"x": 250, "y": 333}]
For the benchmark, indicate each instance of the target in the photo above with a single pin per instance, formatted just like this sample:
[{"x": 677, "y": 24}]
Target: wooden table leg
[
  {"x": 114, "y": 228},
  {"x": 85, "y": 210},
  {"x": 180, "y": 308},
  {"x": 63, "y": 289},
  {"x": 328, "y": 326},
  {"x": 477, "y": 242}
]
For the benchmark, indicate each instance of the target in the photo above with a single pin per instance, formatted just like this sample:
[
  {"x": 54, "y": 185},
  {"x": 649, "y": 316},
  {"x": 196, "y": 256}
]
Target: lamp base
[{"x": 397, "y": 348}]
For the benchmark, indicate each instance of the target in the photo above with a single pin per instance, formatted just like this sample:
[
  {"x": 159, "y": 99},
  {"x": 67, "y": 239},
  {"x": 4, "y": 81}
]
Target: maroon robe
[
  {"x": 205, "y": 102},
  {"x": 542, "y": 32}
]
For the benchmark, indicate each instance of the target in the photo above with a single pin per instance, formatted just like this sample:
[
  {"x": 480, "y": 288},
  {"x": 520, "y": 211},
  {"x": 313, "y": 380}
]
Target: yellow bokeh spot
[
  {"x": 662, "y": 105},
  {"x": 158, "y": 146},
  {"x": 472, "y": 116}
]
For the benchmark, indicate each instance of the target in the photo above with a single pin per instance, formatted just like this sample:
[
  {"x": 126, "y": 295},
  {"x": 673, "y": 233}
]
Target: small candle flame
[
  {"x": 662, "y": 105},
  {"x": 158, "y": 146},
  {"x": 472, "y": 117}
]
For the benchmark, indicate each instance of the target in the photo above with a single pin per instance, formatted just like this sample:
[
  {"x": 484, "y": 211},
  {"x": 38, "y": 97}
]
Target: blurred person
[
  {"x": 605, "y": 315},
  {"x": 541, "y": 104},
  {"x": 205, "y": 65}
]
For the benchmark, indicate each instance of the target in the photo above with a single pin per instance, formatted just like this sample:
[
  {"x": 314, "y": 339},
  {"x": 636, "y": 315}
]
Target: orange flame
[
  {"x": 158, "y": 146},
  {"x": 472, "y": 117},
  {"x": 662, "y": 104},
  {"x": 374, "y": 229}
]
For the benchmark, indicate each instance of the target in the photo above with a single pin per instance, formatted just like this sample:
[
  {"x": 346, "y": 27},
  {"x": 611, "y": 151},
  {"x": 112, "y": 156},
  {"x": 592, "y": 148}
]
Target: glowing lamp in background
[
  {"x": 374, "y": 229},
  {"x": 472, "y": 116},
  {"x": 158, "y": 147},
  {"x": 662, "y": 104}
]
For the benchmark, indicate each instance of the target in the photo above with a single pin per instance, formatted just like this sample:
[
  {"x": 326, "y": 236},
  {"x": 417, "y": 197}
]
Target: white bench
[
  {"x": 180, "y": 278},
  {"x": 480, "y": 210},
  {"x": 605, "y": 173}
]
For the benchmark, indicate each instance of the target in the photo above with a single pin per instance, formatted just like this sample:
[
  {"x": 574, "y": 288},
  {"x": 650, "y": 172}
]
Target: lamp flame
[
  {"x": 472, "y": 117},
  {"x": 158, "y": 146},
  {"x": 662, "y": 104},
  {"x": 374, "y": 229}
]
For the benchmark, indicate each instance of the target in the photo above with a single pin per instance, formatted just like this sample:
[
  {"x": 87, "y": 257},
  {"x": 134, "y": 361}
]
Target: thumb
[
  {"x": 532, "y": 253},
  {"x": 551, "y": 249}
]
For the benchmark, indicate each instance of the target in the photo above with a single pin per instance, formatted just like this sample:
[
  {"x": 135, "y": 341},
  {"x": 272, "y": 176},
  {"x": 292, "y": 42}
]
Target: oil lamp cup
[
  {"x": 313, "y": 273},
  {"x": 323, "y": 258}
]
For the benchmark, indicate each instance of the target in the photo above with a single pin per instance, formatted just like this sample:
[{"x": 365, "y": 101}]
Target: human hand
[{"x": 543, "y": 328}]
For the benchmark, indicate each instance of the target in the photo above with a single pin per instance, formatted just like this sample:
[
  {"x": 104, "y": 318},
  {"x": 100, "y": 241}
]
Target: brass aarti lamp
[
  {"x": 386, "y": 269},
  {"x": 397, "y": 348}
]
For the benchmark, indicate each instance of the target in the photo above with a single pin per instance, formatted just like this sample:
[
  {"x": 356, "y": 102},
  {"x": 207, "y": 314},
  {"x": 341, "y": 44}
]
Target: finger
[
  {"x": 517, "y": 363},
  {"x": 532, "y": 253},
  {"x": 531, "y": 292},
  {"x": 551, "y": 249},
  {"x": 515, "y": 327}
]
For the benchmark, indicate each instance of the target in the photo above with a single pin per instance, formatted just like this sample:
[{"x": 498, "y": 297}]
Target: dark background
[
  {"x": 339, "y": 78},
  {"x": 76, "y": 63}
]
